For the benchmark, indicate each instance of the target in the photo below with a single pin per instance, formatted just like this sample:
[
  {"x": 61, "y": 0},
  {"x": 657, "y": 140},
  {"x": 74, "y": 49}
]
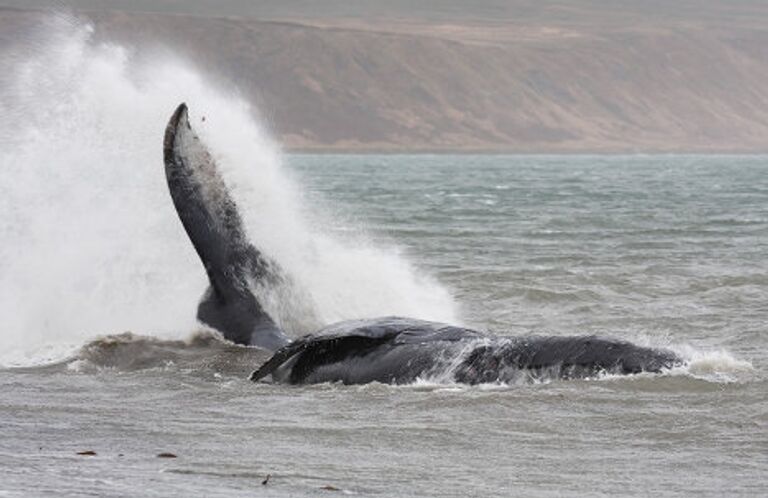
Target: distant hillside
[{"x": 571, "y": 78}]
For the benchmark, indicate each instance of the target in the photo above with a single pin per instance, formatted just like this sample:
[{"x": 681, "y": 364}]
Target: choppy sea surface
[
  {"x": 103, "y": 366},
  {"x": 663, "y": 250}
]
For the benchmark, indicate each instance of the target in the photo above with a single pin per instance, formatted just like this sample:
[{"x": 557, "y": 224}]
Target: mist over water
[{"x": 91, "y": 243}]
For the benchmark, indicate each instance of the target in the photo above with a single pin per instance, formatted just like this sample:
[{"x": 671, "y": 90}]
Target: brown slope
[{"x": 571, "y": 84}]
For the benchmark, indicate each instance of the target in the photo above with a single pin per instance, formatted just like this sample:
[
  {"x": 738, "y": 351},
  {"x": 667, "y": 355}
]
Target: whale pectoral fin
[
  {"x": 214, "y": 226},
  {"x": 280, "y": 357}
]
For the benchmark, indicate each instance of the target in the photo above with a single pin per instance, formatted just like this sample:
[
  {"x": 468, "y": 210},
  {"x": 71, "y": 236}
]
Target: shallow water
[{"x": 668, "y": 251}]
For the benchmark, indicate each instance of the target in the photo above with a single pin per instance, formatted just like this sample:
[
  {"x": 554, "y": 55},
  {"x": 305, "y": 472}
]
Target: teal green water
[
  {"x": 672, "y": 247},
  {"x": 667, "y": 251}
]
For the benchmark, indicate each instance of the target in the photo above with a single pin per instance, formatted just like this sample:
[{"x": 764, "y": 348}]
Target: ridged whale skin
[{"x": 392, "y": 350}]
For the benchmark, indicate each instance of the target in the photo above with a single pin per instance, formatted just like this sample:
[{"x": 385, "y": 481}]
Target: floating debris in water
[
  {"x": 87, "y": 453},
  {"x": 265, "y": 481},
  {"x": 328, "y": 487},
  {"x": 166, "y": 455}
]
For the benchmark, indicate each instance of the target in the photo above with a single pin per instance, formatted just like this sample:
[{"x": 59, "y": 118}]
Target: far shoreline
[{"x": 363, "y": 151}]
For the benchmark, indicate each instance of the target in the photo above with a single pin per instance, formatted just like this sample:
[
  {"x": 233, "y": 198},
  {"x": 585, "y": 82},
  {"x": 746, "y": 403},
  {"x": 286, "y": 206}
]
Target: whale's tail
[{"x": 210, "y": 217}]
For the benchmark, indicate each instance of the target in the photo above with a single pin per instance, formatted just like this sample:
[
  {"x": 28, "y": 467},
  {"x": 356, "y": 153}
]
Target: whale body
[{"x": 393, "y": 350}]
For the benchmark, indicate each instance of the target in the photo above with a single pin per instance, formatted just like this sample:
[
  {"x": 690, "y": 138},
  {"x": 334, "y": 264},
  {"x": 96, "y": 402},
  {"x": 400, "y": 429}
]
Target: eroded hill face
[{"x": 511, "y": 76}]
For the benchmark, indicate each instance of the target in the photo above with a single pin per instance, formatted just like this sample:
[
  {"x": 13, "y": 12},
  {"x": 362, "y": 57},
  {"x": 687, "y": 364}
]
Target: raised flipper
[{"x": 210, "y": 217}]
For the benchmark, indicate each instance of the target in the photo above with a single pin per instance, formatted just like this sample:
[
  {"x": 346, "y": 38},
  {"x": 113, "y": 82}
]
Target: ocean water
[{"x": 100, "y": 352}]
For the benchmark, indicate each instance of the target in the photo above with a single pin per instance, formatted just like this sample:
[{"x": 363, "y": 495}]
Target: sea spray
[{"x": 90, "y": 242}]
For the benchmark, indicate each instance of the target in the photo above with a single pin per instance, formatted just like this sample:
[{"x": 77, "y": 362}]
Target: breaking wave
[{"x": 205, "y": 354}]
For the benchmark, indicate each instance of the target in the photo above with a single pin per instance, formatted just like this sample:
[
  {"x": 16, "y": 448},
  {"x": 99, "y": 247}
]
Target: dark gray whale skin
[
  {"x": 395, "y": 350},
  {"x": 211, "y": 219},
  {"x": 392, "y": 350}
]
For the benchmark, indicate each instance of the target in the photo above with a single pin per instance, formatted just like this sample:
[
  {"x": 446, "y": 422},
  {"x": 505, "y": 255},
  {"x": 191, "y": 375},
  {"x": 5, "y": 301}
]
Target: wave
[
  {"x": 715, "y": 366},
  {"x": 205, "y": 354}
]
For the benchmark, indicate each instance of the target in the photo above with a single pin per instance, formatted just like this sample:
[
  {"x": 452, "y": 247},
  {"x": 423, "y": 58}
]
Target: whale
[{"x": 389, "y": 350}]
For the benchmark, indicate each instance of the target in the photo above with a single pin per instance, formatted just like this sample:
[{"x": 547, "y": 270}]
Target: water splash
[
  {"x": 715, "y": 366},
  {"x": 91, "y": 244}
]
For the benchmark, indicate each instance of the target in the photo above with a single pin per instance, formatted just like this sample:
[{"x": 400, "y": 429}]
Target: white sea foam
[
  {"x": 713, "y": 366},
  {"x": 91, "y": 244}
]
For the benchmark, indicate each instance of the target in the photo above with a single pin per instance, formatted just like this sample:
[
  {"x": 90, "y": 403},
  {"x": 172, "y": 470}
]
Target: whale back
[{"x": 210, "y": 217}]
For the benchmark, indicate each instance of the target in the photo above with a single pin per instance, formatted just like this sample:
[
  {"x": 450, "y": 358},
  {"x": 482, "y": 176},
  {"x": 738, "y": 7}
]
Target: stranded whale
[{"x": 392, "y": 350}]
